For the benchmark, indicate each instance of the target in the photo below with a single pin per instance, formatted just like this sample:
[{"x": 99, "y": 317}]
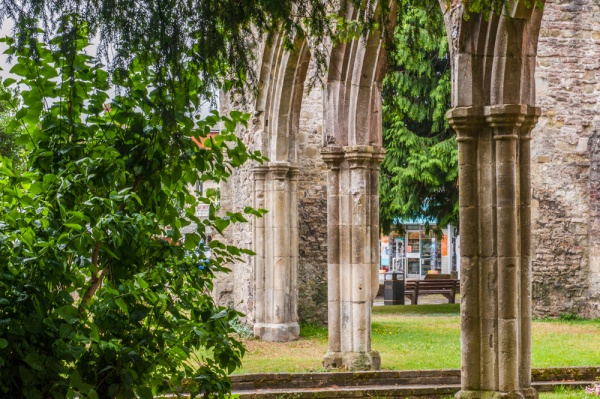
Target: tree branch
[{"x": 97, "y": 279}]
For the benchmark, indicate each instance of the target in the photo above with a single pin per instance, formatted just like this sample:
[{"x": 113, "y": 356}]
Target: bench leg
[{"x": 416, "y": 294}]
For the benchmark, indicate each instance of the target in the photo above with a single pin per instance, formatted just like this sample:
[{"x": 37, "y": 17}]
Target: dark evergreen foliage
[{"x": 418, "y": 177}]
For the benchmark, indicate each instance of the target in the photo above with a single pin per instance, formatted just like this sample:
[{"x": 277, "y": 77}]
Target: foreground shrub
[{"x": 101, "y": 296}]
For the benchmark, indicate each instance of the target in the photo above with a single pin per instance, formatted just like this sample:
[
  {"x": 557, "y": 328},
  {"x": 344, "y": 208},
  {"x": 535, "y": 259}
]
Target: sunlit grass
[
  {"x": 425, "y": 337},
  {"x": 566, "y": 393}
]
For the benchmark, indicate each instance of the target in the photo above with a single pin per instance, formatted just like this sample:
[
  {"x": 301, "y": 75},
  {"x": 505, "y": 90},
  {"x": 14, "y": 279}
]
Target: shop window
[{"x": 414, "y": 242}]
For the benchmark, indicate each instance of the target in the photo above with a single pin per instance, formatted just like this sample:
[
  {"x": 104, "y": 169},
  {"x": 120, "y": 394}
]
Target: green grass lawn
[
  {"x": 562, "y": 393},
  {"x": 425, "y": 337}
]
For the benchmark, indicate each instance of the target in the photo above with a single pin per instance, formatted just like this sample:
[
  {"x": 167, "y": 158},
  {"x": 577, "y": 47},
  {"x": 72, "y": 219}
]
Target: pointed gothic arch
[{"x": 493, "y": 61}]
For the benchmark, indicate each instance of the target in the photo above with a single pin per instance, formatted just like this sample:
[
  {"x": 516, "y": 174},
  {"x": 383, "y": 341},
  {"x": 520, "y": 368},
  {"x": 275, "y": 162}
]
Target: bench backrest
[
  {"x": 425, "y": 285},
  {"x": 437, "y": 277}
]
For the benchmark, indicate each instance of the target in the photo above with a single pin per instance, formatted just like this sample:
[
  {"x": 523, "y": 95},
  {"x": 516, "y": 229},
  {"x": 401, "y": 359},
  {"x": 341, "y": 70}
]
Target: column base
[
  {"x": 525, "y": 393},
  {"x": 352, "y": 360},
  {"x": 277, "y": 332}
]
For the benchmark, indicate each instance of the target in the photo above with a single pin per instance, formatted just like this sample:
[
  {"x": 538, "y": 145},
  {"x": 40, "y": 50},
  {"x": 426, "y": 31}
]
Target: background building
[{"x": 417, "y": 251}]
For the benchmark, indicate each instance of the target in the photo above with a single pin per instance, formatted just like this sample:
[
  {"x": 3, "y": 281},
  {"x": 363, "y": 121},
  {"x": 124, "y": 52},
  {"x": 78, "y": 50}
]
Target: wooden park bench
[{"x": 446, "y": 287}]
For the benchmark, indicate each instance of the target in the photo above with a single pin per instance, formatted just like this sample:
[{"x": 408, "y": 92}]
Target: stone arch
[
  {"x": 352, "y": 110},
  {"x": 493, "y": 62},
  {"x": 281, "y": 86},
  {"x": 493, "y": 56},
  {"x": 275, "y": 241}
]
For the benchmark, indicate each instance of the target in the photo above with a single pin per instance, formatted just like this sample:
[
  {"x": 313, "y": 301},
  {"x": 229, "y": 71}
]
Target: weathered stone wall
[
  {"x": 312, "y": 210},
  {"x": 566, "y": 250},
  {"x": 236, "y": 288}
]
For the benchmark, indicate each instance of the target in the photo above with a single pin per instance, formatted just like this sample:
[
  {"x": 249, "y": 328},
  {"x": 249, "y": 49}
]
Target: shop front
[{"x": 419, "y": 252}]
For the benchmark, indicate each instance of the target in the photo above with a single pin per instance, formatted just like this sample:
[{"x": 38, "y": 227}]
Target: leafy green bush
[{"x": 98, "y": 297}]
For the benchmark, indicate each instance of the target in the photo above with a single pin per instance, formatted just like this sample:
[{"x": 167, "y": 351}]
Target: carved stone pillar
[
  {"x": 494, "y": 203},
  {"x": 529, "y": 122},
  {"x": 353, "y": 242},
  {"x": 276, "y": 247},
  {"x": 258, "y": 240}
]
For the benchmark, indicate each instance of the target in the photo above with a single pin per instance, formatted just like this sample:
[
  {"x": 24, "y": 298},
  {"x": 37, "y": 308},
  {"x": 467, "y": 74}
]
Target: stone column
[
  {"x": 353, "y": 237},
  {"x": 469, "y": 123},
  {"x": 258, "y": 240},
  {"x": 529, "y": 122},
  {"x": 276, "y": 245},
  {"x": 494, "y": 202},
  {"x": 333, "y": 157}
]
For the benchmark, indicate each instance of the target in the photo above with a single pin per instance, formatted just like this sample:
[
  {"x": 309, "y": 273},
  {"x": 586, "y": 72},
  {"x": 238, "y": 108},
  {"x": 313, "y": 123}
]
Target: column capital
[
  {"x": 358, "y": 156},
  {"x": 505, "y": 115},
  {"x": 279, "y": 170},
  {"x": 377, "y": 158},
  {"x": 332, "y": 156},
  {"x": 531, "y": 118},
  {"x": 505, "y": 119},
  {"x": 259, "y": 172},
  {"x": 293, "y": 171},
  {"x": 466, "y": 121}
]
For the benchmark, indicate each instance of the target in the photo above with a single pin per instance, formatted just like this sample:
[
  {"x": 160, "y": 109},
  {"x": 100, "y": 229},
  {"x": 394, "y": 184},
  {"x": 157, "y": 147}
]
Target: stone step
[
  {"x": 381, "y": 391},
  {"x": 372, "y": 391},
  {"x": 246, "y": 382},
  {"x": 338, "y": 379}
]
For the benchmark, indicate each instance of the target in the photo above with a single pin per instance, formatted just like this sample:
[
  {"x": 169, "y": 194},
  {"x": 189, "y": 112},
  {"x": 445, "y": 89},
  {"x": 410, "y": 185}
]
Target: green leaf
[
  {"x": 21, "y": 113},
  {"x": 6, "y": 172},
  {"x": 113, "y": 389},
  {"x": 73, "y": 226},
  {"x": 3, "y": 343},
  {"x": 141, "y": 282},
  {"x": 192, "y": 241},
  {"x": 69, "y": 313},
  {"x": 122, "y": 305},
  {"x": 20, "y": 70},
  {"x": 145, "y": 393},
  {"x": 221, "y": 224},
  {"x": 219, "y": 315},
  {"x": 8, "y": 82},
  {"x": 94, "y": 333}
]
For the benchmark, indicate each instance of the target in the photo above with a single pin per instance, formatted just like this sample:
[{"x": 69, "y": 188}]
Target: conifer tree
[{"x": 419, "y": 174}]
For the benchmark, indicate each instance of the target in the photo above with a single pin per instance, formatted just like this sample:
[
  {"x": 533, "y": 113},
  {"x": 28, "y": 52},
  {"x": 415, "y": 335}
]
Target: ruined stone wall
[
  {"x": 312, "y": 210},
  {"x": 236, "y": 288},
  {"x": 566, "y": 248}
]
